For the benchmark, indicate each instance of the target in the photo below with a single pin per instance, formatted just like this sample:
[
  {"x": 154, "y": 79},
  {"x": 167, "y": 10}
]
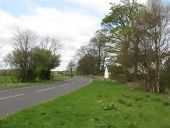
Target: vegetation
[
  {"x": 134, "y": 39},
  {"x": 91, "y": 58},
  {"x": 8, "y": 82},
  {"x": 31, "y": 61},
  {"x": 141, "y": 34},
  {"x": 71, "y": 67},
  {"x": 102, "y": 104}
]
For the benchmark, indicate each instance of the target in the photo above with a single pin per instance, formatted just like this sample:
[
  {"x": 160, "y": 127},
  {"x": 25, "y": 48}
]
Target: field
[
  {"x": 7, "y": 82},
  {"x": 102, "y": 104}
]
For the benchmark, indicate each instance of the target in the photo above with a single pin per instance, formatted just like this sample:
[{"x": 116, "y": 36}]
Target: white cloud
[
  {"x": 72, "y": 29},
  {"x": 102, "y": 6}
]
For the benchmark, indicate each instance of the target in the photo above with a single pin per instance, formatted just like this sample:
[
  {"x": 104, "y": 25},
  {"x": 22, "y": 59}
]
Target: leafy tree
[
  {"x": 141, "y": 36},
  {"x": 118, "y": 24},
  {"x": 87, "y": 65},
  {"x": 44, "y": 61},
  {"x": 31, "y": 61}
]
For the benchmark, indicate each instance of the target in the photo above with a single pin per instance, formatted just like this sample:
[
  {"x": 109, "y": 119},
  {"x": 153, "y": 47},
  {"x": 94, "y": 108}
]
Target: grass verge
[
  {"x": 102, "y": 104},
  {"x": 6, "y": 82}
]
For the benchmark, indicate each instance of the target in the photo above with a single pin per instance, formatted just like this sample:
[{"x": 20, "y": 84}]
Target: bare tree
[
  {"x": 159, "y": 35},
  {"x": 21, "y": 57},
  {"x": 153, "y": 26},
  {"x": 51, "y": 44},
  {"x": 98, "y": 43},
  {"x": 71, "y": 67}
]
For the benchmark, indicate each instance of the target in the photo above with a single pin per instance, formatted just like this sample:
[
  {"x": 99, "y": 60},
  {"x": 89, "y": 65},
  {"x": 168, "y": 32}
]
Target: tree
[
  {"x": 87, "y": 65},
  {"x": 159, "y": 34},
  {"x": 21, "y": 58},
  {"x": 71, "y": 67},
  {"x": 31, "y": 61},
  {"x": 44, "y": 61},
  {"x": 50, "y": 46},
  {"x": 98, "y": 46},
  {"x": 118, "y": 24},
  {"x": 141, "y": 37},
  {"x": 154, "y": 43},
  {"x": 165, "y": 75}
]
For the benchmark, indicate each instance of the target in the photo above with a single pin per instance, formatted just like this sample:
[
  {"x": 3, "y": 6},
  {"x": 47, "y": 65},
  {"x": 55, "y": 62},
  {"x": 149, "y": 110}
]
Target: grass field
[
  {"x": 102, "y": 104},
  {"x": 6, "y": 82}
]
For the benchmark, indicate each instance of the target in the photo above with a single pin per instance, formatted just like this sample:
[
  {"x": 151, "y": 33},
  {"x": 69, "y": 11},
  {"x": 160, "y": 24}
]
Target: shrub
[
  {"x": 117, "y": 73},
  {"x": 121, "y": 101},
  {"x": 165, "y": 77},
  {"x": 166, "y": 103}
]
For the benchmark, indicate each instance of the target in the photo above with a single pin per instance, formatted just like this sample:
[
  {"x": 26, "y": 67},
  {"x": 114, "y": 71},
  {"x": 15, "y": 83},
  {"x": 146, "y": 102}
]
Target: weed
[
  {"x": 109, "y": 107},
  {"x": 156, "y": 99},
  {"x": 121, "y": 101},
  {"x": 132, "y": 125},
  {"x": 138, "y": 99},
  {"x": 125, "y": 96},
  {"x": 129, "y": 104}
]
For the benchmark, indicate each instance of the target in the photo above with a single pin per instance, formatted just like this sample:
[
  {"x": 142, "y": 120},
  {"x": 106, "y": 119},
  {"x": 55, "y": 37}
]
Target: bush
[
  {"x": 165, "y": 77},
  {"x": 166, "y": 103},
  {"x": 117, "y": 73}
]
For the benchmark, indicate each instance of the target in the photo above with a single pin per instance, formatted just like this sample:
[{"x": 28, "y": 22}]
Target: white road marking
[
  {"x": 64, "y": 85},
  {"x": 3, "y": 98},
  {"x": 45, "y": 89}
]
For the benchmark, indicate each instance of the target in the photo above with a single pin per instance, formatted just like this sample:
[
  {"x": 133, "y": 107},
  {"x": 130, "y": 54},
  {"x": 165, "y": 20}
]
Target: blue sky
[{"x": 21, "y": 7}]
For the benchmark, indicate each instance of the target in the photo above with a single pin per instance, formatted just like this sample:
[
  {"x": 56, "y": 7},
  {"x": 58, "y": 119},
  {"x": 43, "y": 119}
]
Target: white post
[{"x": 106, "y": 73}]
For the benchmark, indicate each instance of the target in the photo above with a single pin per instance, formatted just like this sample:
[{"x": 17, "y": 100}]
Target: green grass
[
  {"x": 5, "y": 79},
  {"x": 6, "y": 82},
  {"x": 102, "y": 104}
]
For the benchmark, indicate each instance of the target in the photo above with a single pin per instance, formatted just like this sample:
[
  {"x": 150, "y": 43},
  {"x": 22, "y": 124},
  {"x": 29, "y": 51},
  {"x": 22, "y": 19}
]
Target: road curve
[{"x": 14, "y": 100}]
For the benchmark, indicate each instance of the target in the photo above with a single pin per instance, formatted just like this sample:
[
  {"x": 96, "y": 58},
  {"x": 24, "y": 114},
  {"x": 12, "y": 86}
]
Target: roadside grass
[
  {"x": 102, "y": 104},
  {"x": 5, "y": 79},
  {"x": 7, "y": 82}
]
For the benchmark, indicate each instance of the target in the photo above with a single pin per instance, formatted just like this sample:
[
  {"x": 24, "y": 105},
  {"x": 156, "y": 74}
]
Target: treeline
[
  {"x": 134, "y": 41},
  {"x": 33, "y": 57}
]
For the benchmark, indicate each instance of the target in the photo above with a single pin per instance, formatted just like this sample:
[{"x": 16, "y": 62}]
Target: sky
[{"x": 72, "y": 22}]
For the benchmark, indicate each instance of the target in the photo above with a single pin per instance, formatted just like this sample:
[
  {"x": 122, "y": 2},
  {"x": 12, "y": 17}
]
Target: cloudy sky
[{"x": 73, "y": 22}]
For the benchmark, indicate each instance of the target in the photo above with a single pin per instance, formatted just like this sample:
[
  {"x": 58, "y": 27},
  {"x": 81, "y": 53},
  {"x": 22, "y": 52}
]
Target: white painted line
[
  {"x": 46, "y": 89},
  {"x": 3, "y": 98},
  {"x": 63, "y": 85}
]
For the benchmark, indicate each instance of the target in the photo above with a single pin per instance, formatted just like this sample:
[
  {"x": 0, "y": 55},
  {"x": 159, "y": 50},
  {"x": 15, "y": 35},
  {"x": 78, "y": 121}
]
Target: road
[{"x": 14, "y": 100}]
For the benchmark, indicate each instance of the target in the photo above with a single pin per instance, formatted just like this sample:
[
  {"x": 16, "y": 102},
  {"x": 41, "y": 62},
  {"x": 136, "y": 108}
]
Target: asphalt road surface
[{"x": 14, "y": 100}]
